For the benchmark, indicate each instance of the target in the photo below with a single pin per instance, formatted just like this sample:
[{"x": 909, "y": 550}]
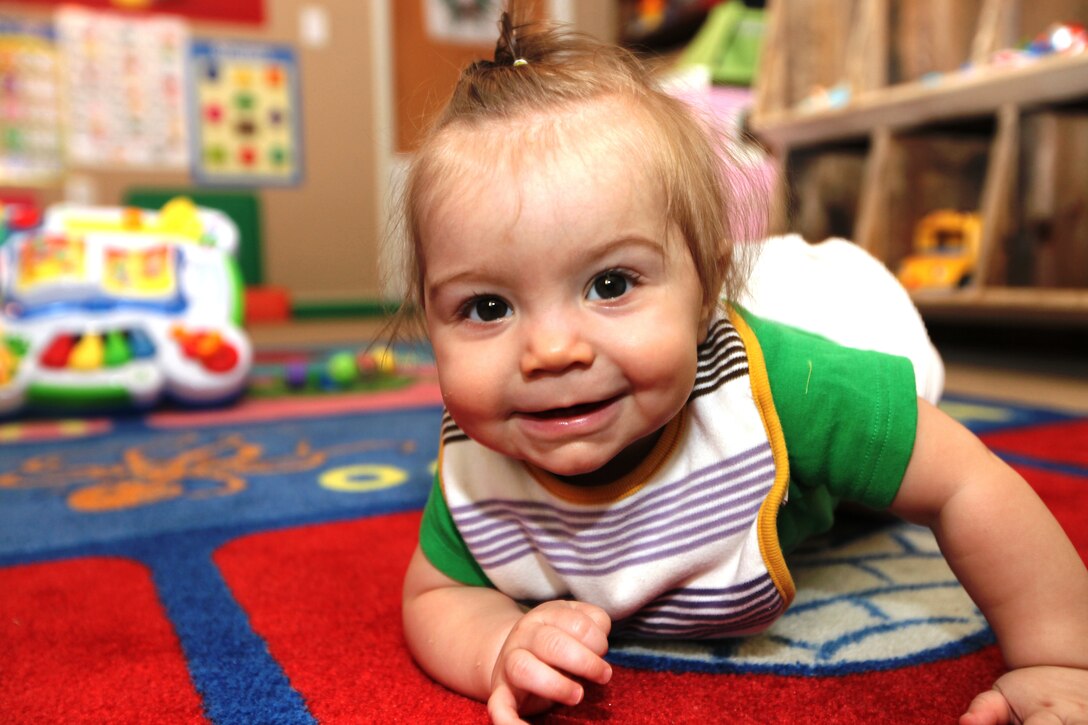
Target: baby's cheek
[
  {"x": 470, "y": 394},
  {"x": 670, "y": 359}
]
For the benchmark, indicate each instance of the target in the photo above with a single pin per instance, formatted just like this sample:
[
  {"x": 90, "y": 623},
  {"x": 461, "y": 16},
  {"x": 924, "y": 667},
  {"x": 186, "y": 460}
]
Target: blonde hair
[{"x": 539, "y": 68}]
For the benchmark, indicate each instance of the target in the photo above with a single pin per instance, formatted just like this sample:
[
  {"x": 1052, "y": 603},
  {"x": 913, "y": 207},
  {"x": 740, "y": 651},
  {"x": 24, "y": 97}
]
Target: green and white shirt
[{"x": 779, "y": 427}]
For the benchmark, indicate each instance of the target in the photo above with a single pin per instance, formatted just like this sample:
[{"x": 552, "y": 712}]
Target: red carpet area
[{"x": 244, "y": 567}]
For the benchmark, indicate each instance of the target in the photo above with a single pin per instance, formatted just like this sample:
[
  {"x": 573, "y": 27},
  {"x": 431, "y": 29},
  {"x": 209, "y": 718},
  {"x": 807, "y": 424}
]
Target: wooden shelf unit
[{"x": 916, "y": 135}]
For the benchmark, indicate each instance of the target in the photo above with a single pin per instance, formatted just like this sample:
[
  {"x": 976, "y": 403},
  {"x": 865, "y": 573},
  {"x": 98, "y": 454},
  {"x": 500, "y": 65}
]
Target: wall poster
[
  {"x": 246, "y": 113},
  {"x": 124, "y": 88}
]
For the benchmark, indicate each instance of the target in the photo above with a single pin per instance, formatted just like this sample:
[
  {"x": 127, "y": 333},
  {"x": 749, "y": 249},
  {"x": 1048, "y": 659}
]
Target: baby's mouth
[{"x": 572, "y": 411}]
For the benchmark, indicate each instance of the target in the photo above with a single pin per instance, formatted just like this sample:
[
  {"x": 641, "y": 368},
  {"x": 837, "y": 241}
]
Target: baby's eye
[
  {"x": 486, "y": 309},
  {"x": 609, "y": 285}
]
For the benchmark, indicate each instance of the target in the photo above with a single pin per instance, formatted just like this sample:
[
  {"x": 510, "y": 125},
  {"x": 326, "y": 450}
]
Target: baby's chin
[
  {"x": 592, "y": 470},
  {"x": 585, "y": 463},
  {"x": 584, "y": 471},
  {"x": 586, "y": 466},
  {"x": 567, "y": 468}
]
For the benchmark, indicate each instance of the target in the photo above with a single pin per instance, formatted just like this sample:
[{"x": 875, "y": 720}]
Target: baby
[{"x": 621, "y": 449}]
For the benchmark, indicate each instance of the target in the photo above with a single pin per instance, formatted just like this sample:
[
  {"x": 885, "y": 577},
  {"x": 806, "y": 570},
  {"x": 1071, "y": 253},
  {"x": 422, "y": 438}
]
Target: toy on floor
[
  {"x": 946, "y": 245},
  {"x": 341, "y": 370},
  {"x": 118, "y": 307}
]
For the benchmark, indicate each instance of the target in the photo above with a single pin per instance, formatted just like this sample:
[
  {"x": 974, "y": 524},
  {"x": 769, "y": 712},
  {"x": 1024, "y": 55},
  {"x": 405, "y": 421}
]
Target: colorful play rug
[{"x": 243, "y": 566}]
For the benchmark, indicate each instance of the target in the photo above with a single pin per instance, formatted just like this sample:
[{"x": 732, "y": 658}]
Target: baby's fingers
[
  {"x": 989, "y": 708},
  {"x": 524, "y": 671},
  {"x": 577, "y": 653},
  {"x": 595, "y": 613},
  {"x": 1037, "y": 695},
  {"x": 502, "y": 706},
  {"x": 584, "y": 622}
]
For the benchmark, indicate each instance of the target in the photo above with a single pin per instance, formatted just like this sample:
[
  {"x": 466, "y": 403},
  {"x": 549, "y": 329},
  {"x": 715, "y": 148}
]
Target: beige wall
[
  {"x": 596, "y": 17},
  {"x": 321, "y": 238}
]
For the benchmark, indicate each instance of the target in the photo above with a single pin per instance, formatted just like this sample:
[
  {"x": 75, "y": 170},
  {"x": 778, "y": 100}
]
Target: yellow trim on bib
[{"x": 768, "y": 511}]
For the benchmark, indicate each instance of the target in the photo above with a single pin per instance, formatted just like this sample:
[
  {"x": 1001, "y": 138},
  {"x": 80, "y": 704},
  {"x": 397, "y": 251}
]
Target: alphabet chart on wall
[
  {"x": 246, "y": 114},
  {"x": 30, "y": 148},
  {"x": 124, "y": 80}
]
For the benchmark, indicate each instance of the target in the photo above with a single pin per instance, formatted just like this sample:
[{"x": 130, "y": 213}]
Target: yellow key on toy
[
  {"x": 88, "y": 353},
  {"x": 8, "y": 364}
]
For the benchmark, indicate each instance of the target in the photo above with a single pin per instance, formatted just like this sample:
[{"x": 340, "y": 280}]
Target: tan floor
[
  {"x": 990, "y": 379},
  {"x": 1058, "y": 392},
  {"x": 307, "y": 332}
]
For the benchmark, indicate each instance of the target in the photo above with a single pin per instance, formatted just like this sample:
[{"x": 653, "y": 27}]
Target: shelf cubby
[{"x": 931, "y": 113}]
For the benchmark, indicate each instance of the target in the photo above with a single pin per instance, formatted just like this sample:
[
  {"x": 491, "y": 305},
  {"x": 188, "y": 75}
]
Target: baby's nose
[{"x": 553, "y": 347}]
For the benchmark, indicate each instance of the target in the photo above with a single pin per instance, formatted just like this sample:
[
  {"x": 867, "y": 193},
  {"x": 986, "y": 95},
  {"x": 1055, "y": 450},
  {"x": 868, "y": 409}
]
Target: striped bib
[{"x": 688, "y": 550}]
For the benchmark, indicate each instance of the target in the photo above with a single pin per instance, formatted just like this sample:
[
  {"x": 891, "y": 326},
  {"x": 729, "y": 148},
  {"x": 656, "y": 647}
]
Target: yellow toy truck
[{"x": 946, "y": 245}]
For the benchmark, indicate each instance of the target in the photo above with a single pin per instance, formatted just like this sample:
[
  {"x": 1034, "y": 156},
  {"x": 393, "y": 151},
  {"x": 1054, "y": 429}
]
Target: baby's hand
[
  {"x": 547, "y": 646},
  {"x": 1033, "y": 695}
]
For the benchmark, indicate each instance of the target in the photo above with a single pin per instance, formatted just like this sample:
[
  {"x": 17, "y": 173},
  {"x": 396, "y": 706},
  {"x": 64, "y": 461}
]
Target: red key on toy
[{"x": 58, "y": 352}]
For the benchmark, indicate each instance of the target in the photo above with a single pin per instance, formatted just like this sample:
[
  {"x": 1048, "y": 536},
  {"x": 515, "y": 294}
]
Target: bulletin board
[
  {"x": 429, "y": 49},
  {"x": 434, "y": 39}
]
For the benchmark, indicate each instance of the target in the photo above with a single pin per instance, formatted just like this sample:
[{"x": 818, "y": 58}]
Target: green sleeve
[
  {"x": 442, "y": 544},
  {"x": 849, "y": 418}
]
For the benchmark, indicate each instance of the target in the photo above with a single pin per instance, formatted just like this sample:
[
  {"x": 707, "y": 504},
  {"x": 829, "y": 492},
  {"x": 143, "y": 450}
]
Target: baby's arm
[
  {"x": 1013, "y": 559},
  {"x": 479, "y": 642}
]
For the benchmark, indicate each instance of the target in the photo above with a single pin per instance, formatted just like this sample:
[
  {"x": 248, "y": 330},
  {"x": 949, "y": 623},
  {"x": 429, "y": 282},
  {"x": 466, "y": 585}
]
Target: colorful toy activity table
[{"x": 119, "y": 307}]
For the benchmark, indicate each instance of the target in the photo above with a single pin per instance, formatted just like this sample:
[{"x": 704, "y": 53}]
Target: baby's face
[{"x": 564, "y": 322}]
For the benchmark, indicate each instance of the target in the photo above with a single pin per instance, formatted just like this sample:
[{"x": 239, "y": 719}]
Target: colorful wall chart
[
  {"x": 246, "y": 114},
  {"x": 248, "y": 12},
  {"x": 124, "y": 82},
  {"x": 30, "y": 148}
]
